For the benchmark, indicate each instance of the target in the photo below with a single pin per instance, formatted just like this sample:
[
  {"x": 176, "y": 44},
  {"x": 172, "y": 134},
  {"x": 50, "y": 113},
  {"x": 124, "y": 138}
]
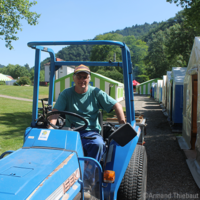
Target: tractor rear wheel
[{"x": 133, "y": 185}]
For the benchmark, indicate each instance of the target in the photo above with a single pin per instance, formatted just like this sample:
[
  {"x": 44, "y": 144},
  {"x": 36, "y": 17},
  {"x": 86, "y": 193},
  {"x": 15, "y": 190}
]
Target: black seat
[{"x": 100, "y": 117}]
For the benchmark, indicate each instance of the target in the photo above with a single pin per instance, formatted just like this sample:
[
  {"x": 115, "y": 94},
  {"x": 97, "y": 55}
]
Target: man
[{"x": 86, "y": 101}]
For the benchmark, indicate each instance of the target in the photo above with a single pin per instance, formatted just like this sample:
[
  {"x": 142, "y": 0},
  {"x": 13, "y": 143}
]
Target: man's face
[{"x": 81, "y": 80}]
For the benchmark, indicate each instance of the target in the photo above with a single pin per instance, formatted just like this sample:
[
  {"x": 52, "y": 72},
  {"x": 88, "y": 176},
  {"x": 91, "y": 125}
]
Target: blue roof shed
[{"x": 177, "y": 78}]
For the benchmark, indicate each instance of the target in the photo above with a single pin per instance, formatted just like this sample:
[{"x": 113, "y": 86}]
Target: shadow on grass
[{"x": 15, "y": 123}]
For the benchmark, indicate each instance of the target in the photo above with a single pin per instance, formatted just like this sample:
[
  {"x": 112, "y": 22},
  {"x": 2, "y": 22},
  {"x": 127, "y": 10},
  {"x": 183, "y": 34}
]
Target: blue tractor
[{"x": 51, "y": 164}]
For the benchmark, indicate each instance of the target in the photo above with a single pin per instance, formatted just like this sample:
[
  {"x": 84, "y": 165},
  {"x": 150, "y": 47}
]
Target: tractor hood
[
  {"x": 37, "y": 170},
  {"x": 35, "y": 173}
]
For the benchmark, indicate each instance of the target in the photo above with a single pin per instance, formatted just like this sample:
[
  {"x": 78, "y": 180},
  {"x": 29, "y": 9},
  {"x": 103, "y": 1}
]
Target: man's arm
[
  {"x": 53, "y": 119},
  {"x": 120, "y": 113}
]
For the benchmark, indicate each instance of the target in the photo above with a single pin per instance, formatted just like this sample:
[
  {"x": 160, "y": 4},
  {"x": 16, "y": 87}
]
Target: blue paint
[
  {"x": 119, "y": 156},
  {"x": 37, "y": 166},
  {"x": 177, "y": 104},
  {"x": 153, "y": 92}
]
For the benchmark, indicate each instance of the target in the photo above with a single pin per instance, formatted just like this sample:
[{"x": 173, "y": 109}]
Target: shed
[
  {"x": 145, "y": 87},
  {"x": 164, "y": 89},
  {"x": 190, "y": 138},
  {"x": 11, "y": 82},
  {"x": 168, "y": 94},
  {"x": 135, "y": 83},
  {"x": 177, "y": 78},
  {"x": 155, "y": 90},
  {"x": 159, "y": 90},
  {"x": 114, "y": 88}
]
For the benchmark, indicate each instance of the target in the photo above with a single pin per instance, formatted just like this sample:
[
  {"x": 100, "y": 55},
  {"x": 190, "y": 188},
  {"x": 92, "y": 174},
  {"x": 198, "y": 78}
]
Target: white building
[{"x": 62, "y": 71}]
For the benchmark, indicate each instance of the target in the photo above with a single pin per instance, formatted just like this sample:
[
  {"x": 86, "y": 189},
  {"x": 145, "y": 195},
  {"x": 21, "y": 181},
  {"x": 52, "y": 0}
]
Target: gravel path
[
  {"x": 168, "y": 174},
  {"x": 16, "y": 98}
]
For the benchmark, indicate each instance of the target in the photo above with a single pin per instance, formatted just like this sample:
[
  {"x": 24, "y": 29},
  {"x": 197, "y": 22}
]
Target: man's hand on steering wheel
[{"x": 49, "y": 124}]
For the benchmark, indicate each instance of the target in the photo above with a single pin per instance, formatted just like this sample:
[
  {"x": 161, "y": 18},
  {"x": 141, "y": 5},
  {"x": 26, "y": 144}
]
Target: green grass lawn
[
  {"x": 15, "y": 117},
  {"x": 23, "y": 91}
]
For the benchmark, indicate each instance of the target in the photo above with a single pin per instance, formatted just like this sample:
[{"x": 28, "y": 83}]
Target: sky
[{"x": 71, "y": 20}]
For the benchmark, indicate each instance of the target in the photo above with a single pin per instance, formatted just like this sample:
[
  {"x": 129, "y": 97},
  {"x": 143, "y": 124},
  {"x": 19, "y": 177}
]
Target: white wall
[
  {"x": 97, "y": 82},
  {"x": 47, "y": 73},
  {"x": 57, "y": 90},
  {"x": 62, "y": 71},
  {"x": 107, "y": 87},
  {"x": 144, "y": 89}
]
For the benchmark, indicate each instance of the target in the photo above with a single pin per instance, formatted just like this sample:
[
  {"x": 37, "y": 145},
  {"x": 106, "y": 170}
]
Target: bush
[
  {"x": 16, "y": 84},
  {"x": 24, "y": 81},
  {"x": 2, "y": 83}
]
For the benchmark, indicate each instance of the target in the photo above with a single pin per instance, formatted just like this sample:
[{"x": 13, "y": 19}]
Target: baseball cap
[{"x": 82, "y": 68}]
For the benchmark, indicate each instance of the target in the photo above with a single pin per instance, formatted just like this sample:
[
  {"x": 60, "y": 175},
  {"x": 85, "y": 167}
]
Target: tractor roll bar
[
  {"x": 89, "y": 42},
  {"x": 125, "y": 64}
]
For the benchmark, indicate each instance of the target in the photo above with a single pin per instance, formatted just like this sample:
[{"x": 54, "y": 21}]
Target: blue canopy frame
[{"x": 55, "y": 65}]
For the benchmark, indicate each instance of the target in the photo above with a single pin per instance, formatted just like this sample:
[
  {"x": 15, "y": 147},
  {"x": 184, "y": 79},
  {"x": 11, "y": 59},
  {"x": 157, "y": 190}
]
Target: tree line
[{"x": 17, "y": 71}]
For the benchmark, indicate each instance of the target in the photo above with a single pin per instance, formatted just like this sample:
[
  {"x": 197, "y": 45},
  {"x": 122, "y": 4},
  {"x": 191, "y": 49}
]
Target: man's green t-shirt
[{"x": 87, "y": 105}]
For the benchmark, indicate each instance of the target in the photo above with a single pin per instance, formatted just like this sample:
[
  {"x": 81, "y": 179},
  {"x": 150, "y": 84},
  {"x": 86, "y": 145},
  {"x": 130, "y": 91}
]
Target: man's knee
[{"x": 101, "y": 146}]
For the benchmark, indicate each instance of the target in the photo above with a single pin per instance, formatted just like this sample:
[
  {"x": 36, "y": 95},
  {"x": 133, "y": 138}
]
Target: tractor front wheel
[{"x": 133, "y": 185}]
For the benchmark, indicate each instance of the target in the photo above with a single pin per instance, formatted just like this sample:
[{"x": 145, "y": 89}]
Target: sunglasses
[{"x": 79, "y": 77}]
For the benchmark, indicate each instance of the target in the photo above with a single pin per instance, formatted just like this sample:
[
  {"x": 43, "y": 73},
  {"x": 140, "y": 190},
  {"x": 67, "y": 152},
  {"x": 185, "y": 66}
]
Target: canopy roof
[
  {"x": 194, "y": 61},
  {"x": 178, "y": 74},
  {"x": 135, "y": 83},
  {"x": 4, "y": 78}
]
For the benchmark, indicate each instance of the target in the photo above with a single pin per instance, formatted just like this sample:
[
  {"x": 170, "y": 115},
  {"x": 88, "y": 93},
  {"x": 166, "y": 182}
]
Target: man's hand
[
  {"x": 120, "y": 113},
  {"x": 53, "y": 119}
]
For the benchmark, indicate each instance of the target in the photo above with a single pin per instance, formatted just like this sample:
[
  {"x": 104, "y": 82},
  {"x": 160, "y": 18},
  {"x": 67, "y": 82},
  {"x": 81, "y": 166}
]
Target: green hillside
[{"x": 137, "y": 30}]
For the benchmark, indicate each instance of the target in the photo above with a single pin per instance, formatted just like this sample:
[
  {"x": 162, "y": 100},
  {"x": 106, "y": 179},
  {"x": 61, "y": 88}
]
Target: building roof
[
  {"x": 4, "y": 78},
  {"x": 135, "y": 83},
  {"x": 108, "y": 79},
  {"x": 155, "y": 79},
  {"x": 9, "y": 77}
]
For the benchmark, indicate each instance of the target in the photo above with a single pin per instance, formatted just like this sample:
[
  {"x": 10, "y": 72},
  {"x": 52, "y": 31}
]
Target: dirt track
[{"x": 168, "y": 174}]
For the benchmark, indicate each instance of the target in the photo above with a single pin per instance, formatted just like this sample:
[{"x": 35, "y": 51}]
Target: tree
[
  {"x": 138, "y": 50},
  {"x": 114, "y": 74},
  {"x": 11, "y": 12},
  {"x": 42, "y": 75},
  {"x": 27, "y": 66},
  {"x": 32, "y": 74},
  {"x": 15, "y": 71},
  {"x": 157, "y": 60},
  {"x": 21, "y": 72},
  {"x": 191, "y": 12},
  {"x": 183, "y": 3},
  {"x": 179, "y": 44},
  {"x": 75, "y": 53},
  {"x": 23, "y": 81},
  {"x": 106, "y": 52}
]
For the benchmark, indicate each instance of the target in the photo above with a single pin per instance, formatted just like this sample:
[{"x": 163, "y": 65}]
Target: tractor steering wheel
[{"x": 66, "y": 113}]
